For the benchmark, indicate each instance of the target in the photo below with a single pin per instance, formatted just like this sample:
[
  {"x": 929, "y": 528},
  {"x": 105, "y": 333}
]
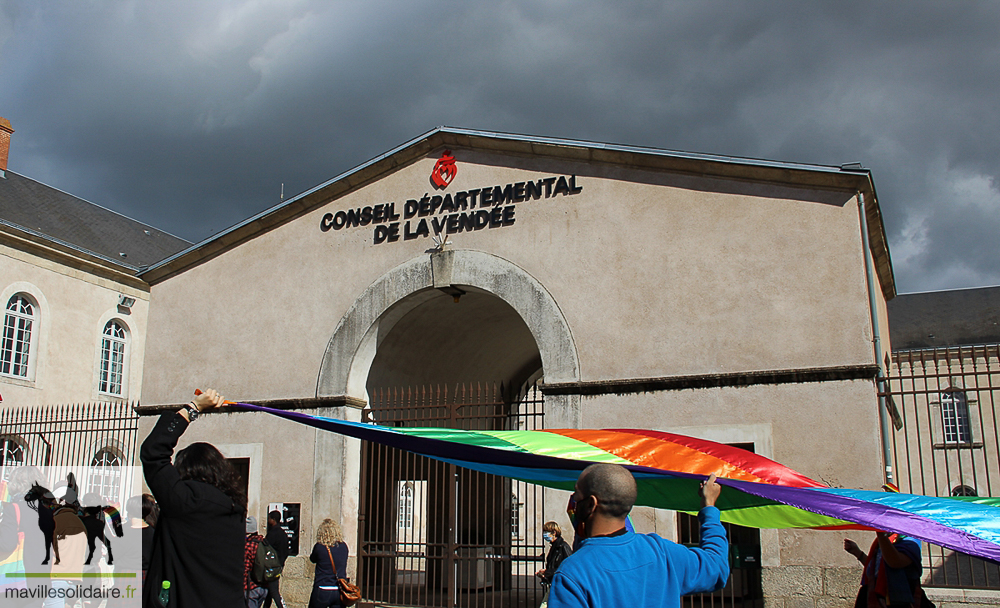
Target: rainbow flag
[
  {"x": 669, "y": 468},
  {"x": 12, "y": 565}
]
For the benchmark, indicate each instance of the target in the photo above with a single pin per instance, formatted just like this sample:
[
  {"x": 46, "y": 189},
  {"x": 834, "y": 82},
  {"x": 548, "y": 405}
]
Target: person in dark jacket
[
  {"x": 558, "y": 551},
  {"x": 892, "y": 572},
  {"x": 150, "y": 513},
  {"x": 277, "y": 538},
  {"x": 330, "y": 556},
  {"x": 198, "y": 544}
]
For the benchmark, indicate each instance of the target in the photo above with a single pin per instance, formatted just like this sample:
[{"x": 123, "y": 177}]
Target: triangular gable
[{"x": 850, "y": 178}]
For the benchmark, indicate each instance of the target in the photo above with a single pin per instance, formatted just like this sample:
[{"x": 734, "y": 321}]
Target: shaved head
[{"x": 612, "y": 484}]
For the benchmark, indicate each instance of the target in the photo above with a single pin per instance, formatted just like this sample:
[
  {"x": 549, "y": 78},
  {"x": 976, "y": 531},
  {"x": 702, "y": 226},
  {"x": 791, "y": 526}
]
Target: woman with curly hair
[
  {"x": 330, "y": 556},
  {"x": 198, "y": 543}
]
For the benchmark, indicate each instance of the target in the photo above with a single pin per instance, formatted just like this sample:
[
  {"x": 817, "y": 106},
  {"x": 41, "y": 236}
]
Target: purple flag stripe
[{"x": 880, "y": 517}]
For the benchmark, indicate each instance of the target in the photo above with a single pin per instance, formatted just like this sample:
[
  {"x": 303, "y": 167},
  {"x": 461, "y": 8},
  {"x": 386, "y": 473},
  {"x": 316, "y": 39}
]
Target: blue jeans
[
  {"x": 325, "y": 598},
  {"x": 255, "y": 597}
]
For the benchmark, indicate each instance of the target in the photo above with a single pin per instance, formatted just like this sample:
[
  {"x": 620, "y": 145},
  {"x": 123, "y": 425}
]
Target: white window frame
[
  {"x": 14, "y": 345},
  {"x": 964, "y": 490},
  {"x": 405, "y": 519},
  {"x": 112, "y": 366},
  {"x": 105, "y": 474},
  {"x": 955, "y": 422}
]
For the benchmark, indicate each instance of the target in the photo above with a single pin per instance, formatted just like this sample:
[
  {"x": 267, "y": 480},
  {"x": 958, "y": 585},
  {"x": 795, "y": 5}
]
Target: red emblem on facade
[{"x": 444, "y": 170}]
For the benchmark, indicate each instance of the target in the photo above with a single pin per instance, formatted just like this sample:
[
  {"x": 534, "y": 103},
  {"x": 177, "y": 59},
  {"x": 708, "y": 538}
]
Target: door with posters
[{"x": 289, "y": 522}]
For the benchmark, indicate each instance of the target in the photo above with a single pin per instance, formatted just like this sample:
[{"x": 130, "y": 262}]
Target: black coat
[
  {"x": 327, "y": 571},
  {"x": 199, "y": 539},
  {"x": 557, "y": 553},
  {"x": 277, "y": 538}
]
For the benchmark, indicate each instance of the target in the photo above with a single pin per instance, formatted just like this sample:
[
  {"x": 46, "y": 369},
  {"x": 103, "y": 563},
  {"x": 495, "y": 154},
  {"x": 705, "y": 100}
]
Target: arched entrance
[
  {"x": 448, "y": 340},
  {"x": 344, "y": 371}
]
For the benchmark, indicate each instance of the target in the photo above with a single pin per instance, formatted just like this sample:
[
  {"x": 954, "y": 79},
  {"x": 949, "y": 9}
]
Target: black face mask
[{"x": 581, "y": 512}]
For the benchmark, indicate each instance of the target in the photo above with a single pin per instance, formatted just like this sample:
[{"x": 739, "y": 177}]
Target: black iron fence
[
  {"x": 943, "y": 402},
  {"x": 100, "y": 437}
]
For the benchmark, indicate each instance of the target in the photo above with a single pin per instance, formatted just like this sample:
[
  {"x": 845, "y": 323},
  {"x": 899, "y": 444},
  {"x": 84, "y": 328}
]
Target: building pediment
[{"x": 625, "y": 163}]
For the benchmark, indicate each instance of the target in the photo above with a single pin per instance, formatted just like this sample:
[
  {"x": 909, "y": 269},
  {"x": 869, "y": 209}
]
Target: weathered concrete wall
[
  {"x": 296, "y": 581},
  {"x": 827, "y": 587},
  {"x": 810, "y": 586},
  {"x": 964, "y": 598}
]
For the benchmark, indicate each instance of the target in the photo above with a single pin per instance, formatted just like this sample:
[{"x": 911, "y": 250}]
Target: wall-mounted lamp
[
  {"x": 125, "y": 301},
  {"x": 452, "y": 291}
]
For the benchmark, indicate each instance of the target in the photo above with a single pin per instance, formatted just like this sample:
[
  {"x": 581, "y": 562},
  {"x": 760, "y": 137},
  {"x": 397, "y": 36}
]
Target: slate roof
[
  {"x": 66, "y": 219},
  {"x": 945, "y": 318}
]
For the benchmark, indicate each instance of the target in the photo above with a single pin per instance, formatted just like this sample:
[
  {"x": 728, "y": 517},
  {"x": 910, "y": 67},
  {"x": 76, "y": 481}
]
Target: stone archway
[
  {"x": 355, "y": 343},
  {"x": 385, "y": 305},
  {"x": 451, "y": 318}
]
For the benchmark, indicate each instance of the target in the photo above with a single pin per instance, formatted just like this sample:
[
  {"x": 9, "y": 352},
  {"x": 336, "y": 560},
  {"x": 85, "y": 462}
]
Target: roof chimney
[{"x": 5, "y": 131}]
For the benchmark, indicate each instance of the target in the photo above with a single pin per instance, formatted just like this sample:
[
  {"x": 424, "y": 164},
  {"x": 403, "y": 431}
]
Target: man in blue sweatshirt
[{"x": 617, "y": 568}]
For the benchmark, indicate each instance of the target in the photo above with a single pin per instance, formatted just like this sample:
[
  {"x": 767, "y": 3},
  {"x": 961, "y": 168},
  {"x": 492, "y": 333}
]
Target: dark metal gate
[
  {"x": 946, "y": 443},
  {"x": 433, "y": 534}
]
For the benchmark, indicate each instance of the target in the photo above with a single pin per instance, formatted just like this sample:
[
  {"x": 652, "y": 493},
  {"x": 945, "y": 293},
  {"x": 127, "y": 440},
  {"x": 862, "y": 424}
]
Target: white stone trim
[{"x": 354, "y": 343}]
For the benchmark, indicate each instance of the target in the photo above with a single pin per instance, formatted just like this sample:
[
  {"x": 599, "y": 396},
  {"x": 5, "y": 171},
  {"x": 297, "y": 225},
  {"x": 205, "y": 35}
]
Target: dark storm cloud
[{"x": 191, "y": 115}]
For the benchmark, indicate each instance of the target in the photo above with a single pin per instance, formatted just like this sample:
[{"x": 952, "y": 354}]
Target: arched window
[
  {"x": 11, "y": 456},
  {"x": 406, "y": 505},
  {"x": 963, "y": 490},
  {"x": 955, "y": 417},
  {"x": 106, "y": 474},
  {"x": 114, "y": 349},
  {"x": 18, "y": 331}
]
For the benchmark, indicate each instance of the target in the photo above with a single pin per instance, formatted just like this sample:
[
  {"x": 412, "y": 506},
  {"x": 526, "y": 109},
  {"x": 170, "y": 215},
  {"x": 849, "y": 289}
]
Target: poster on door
[{"x": 289, "y": 522}]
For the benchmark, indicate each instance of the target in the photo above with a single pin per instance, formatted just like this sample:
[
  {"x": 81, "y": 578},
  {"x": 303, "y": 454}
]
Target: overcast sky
[{"x": 190, "y": 115}]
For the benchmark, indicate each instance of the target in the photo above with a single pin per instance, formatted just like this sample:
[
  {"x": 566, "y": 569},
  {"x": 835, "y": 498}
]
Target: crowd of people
[
  {"x": 199, "y": 499},
  {"x": 202, "y": 531}
]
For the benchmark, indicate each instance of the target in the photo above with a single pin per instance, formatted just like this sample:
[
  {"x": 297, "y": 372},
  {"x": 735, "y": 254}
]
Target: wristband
[{"x": 193, "y": 412}]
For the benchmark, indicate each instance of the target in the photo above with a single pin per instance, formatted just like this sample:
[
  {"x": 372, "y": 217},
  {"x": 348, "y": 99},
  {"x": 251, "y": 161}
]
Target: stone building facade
[
  {"x": 736, "y": 300},
  {"x": 74, "y": 327}
]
